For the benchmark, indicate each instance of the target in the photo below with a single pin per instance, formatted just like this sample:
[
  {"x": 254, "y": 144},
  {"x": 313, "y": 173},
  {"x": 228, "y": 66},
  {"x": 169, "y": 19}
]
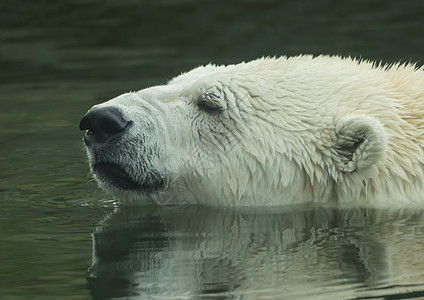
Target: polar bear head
[{"x": 271, "y": 131}]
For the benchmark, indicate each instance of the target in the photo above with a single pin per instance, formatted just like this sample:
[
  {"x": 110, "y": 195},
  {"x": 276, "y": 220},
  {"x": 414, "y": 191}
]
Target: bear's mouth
[{"x": 116, "y": 176}]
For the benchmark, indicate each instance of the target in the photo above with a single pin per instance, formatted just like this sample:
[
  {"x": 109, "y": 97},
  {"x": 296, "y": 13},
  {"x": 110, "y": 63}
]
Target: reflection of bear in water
[
  {"x": 267, "y": 132},
  {"x": 189, "y": 252}
]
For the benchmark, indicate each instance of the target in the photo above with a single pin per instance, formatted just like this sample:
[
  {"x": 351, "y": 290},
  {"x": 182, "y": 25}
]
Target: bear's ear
[{"x": 360, "y": 143}]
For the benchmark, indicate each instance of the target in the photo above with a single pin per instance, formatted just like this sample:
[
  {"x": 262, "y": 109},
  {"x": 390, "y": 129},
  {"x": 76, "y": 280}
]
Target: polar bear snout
[
  {"x": 117, "y": 155},
  {"x": 102, "y": 125}
]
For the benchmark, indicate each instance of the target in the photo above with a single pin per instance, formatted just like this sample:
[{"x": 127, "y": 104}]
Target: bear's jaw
[{"x": 113, "y": 177}]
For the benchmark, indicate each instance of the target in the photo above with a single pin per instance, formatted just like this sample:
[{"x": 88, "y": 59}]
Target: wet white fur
[{"x": 292, "y": 130}]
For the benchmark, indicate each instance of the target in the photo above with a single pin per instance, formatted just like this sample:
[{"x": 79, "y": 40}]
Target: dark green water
[{"x": 61, "y": 238}]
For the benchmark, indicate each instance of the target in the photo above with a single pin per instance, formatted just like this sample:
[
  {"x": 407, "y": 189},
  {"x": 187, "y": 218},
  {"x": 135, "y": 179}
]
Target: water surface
[{"x": 291, "y": 253}]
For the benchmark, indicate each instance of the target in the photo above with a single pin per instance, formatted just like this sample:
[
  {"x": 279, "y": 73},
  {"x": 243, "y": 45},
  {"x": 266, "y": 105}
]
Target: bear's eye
[
  {"x": 209, "y": 107},
  {"x": 206, "y": 104}
]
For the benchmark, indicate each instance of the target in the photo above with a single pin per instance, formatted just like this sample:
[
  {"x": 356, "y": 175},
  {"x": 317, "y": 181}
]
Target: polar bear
[{"x": 273, "y": 131}]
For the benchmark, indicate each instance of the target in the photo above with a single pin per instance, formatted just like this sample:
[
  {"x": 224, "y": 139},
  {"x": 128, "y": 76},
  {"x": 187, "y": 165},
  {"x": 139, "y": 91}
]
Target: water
[
  {"x": 62, "y": 238},
  {"x": 292, "y": 253}
]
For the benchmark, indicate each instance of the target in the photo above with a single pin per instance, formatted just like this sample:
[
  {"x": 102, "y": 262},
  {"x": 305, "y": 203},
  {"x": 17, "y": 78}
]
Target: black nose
[{"x": 101, "y": 124}]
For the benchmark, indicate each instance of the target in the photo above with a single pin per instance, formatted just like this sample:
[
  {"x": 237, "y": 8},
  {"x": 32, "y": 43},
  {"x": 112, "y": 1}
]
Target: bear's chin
[{"x": 114, "y": 176}]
